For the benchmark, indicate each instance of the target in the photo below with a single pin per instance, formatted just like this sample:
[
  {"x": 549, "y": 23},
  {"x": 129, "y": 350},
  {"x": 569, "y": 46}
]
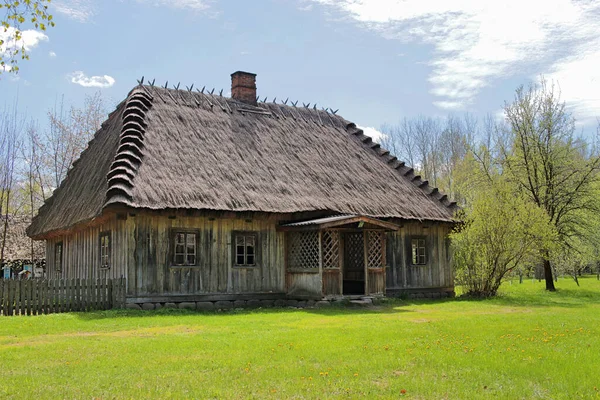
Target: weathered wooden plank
[
  {"x": 105, "y": 295},
  {"x": 208, "y": 297},
  {"x": 20, "y": 298},
  {"x": 331, "y": 281},
  {"x": 59, "y": 295},
  {"x": 44, "y": 296},
  {"x": 3, "y": 295},
  {"x": 131, "y": 258},
  {"x": 2, "y": 284},
  {"x": 101, "y": 294},
  {"x": 10, "y": 293},
  {"x": 34, "y": 297}
]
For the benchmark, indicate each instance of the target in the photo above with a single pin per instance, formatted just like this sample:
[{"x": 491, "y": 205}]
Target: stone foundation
[
  {"x": 365, "y": 301},
  {"x": 437, "y": 293},
  {"x": 229, "y": 304}
]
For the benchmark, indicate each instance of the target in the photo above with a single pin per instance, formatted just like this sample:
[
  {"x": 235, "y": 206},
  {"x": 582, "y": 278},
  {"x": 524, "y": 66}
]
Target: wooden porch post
[
  {"x": 341, "y": 261},
  {"x": 366, "y": 260},
  {"x": 321, "y": 261}
]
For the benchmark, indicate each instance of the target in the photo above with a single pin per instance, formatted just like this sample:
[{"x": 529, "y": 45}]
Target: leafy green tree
[
  {"x": 500, "y": 230},
  {"x": 20, "y": 14},
  {"x": 555, "y": 171}
]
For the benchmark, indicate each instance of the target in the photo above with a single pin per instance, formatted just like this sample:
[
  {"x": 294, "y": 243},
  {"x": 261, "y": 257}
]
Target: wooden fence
[{"x": 41, "y": 296}]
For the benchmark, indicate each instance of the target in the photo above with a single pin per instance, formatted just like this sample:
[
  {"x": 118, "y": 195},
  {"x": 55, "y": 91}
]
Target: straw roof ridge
[{"x": 131, "y": 148}]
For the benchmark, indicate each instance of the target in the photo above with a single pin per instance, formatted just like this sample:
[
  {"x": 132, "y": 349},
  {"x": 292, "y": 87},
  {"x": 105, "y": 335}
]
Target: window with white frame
[
  {"x": 58, "y": 256},
  {"x": 105, "y": 249},
  {"x": 245, "y": 249},
  {"x": 184, "y": 248},
  {"x": 418, "y": 251}
]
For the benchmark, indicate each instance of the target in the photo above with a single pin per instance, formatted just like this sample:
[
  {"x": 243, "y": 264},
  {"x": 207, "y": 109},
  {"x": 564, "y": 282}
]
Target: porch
[{"x": 336, "y": 256}]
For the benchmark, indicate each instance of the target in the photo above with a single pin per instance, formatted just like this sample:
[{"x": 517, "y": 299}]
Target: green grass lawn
[{"x": 525, "y": 344}]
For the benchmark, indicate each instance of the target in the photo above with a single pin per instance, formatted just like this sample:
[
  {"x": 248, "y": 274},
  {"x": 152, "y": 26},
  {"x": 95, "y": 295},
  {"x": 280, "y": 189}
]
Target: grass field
[{"x": 525, "y": 344}]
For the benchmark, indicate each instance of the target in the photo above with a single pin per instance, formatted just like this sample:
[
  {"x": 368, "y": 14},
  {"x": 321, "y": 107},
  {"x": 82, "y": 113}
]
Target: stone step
[{"x": 364, "y": 302}]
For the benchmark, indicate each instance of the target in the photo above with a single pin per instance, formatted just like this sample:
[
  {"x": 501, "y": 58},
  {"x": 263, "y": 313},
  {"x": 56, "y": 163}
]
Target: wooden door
[{"x": 354, "y": 263}]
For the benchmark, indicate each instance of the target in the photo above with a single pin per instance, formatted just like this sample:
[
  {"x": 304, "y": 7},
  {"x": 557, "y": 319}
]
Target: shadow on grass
[{"x": 390, "y": 306}]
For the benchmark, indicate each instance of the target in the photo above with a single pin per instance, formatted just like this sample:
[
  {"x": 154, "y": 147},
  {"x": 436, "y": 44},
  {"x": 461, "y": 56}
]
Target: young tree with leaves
[
  {"x": 500, "y": 229},
  {"x": 19, "y": 14},
  {"x": 546, "y": 163}
]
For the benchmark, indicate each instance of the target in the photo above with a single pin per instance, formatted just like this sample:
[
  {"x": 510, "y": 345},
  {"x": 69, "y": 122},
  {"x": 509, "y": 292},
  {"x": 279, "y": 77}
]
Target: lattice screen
[
  {"x": 375, "y": 249},
  {"x": 354, "y": 252},
  {"x": 303, "y": 250},
  {"x": 331, "y": 249}
]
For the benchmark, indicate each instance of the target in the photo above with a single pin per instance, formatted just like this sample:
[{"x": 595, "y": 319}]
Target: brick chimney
[{"x": 243, "y": 87}]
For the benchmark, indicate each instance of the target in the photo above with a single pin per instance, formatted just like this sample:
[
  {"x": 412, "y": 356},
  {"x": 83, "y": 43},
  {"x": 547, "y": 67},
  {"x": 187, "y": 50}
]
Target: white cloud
[
  {"x": 84, "y": 10},
  {"x": 78, "y": 10},
  {"x": 198, "y": 5},
  {"x": 52, "y": 54},
  {"x": 477, "y": 42},
  {"x": 448, "y": 105},
  {"x": 578, "y": 77},
  {"x": 29, "y": 39},
  {"x": 79, "y": 78},
  {"x": 376, "y": 135}
]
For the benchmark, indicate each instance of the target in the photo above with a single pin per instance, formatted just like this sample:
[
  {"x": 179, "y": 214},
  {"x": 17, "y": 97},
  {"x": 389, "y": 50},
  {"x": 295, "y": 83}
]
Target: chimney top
[
  {"x": 243, "y": 87},
  {"x": 242, "y": 73}
]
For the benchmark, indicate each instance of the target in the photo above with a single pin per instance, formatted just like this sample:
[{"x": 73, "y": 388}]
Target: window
[
  {"x": 105, "y": 249},
  {"x": 418, "y": 251},
  {"x": 245, "y": 249},
  {"x": 184, "y": 248},
  {"x": 58, "y": 256}
]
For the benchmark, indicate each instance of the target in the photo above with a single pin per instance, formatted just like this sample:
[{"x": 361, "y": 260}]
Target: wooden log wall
[
  {"x": 140, "y": 252},
  {"x": 151, "y": 273},
  {"x": 436, "y": 273},
  {"x": 81, "y": 252},
  {"x": 305, "y": 284}
]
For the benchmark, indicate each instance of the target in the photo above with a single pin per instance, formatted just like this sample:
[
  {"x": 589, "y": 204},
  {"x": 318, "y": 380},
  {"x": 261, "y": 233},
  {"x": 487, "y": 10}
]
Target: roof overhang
[{"x": 340, "y": 222}]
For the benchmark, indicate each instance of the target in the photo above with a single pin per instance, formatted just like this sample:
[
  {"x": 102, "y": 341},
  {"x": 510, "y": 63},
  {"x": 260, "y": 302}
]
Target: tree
[
  {"x": 10, "y": 127},
  {"x": 432, "y": 146},
  {"x": 554, "y": 170},
  {"x": 500, "y": 230},
  {"x": 69, "y": 134},
  {"x": 19, "y": 13}
]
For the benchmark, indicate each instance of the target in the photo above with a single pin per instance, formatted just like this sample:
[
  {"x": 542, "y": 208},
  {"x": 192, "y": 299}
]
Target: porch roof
[{"x": 340, "y": 221}]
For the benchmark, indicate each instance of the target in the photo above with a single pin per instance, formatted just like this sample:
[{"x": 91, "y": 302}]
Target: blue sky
[{"x": 375, "y": 60}]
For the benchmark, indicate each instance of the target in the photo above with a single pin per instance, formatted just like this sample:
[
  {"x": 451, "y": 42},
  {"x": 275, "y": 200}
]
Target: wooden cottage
[{"x": 195, "y": 197}]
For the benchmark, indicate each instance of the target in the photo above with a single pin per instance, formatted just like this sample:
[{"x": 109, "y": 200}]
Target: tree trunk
[{"x": 548, "y": 276}]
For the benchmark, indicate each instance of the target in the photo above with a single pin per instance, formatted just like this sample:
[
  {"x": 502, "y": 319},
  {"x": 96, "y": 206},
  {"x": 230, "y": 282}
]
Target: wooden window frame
[
  {"x": 105, "y": 234},
  {"x": 425, "y": 248},
  {"x": 245, "y": 234},
  {"x": 58, "y": 266},
  {"x": 185, "y": 231}
]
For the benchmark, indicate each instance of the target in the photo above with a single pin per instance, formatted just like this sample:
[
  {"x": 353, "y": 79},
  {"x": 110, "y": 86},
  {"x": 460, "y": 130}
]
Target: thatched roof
[{"x": 175, "y": 149}]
